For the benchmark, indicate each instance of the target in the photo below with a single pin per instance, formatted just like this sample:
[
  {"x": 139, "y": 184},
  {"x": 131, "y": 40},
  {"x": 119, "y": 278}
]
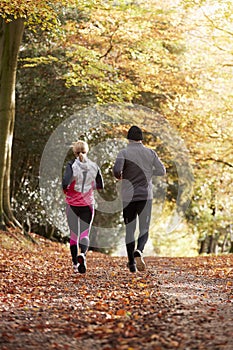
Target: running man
[{"x": 135, "y": 165}]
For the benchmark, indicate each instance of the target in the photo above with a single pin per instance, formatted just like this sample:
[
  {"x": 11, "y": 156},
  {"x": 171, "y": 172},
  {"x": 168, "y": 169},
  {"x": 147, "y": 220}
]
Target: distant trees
[
  {"x": 79, "y": 67},
  {"x": 173, "y": 59},
  {"x": 210, "y": 121}
]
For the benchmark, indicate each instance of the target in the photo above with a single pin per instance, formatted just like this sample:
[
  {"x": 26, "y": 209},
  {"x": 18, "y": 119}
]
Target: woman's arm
[{"x": 68, "y": 175}]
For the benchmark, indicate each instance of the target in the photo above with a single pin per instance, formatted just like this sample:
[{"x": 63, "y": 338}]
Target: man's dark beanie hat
[{"x": 135, "y": 133}]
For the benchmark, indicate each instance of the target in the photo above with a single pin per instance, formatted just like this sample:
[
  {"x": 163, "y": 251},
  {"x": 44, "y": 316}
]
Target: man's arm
[
  {"x": 158, "y": 167},
  {"x": 99, "y": 181},
  {"x": 118, "y": 166}
]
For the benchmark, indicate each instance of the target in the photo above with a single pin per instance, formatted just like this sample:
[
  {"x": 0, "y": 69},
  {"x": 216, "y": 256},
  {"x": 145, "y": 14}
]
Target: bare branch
[
  {"x": 110, "y": 42},
  {"x": 228, "y": 65},
  {"x": 217, "y": 161},
  {"x": 215, "y": 26}
]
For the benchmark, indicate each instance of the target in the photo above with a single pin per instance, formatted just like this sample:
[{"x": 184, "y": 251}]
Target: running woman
[
  {"x": 82, "y": 176},
  {"x": 135, "y": 165}
]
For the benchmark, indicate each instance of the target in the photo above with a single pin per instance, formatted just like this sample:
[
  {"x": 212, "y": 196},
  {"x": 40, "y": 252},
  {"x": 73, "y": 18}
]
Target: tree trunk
[
  {"x": 211, "y": 245},
  {"x": 231, "y": 239},
  {"x": 204, "y": 245},
  {"x": 11, "y": 34},
  {"x": 10, "y": 219}
]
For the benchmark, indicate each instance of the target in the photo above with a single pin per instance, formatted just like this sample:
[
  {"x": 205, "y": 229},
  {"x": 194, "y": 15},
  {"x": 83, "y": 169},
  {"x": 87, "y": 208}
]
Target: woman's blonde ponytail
[
  {"x": 81, "y": 157},
  {"x": 79, "y": 148}
]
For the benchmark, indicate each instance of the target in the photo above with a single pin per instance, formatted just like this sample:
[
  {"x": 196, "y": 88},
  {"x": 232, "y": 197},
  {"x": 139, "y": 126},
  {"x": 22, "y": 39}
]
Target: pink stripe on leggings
[{"x": 84, "y": 234}]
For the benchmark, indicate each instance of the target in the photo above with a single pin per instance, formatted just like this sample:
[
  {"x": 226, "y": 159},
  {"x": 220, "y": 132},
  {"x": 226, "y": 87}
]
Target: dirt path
[{"x": 178, "y": 303}]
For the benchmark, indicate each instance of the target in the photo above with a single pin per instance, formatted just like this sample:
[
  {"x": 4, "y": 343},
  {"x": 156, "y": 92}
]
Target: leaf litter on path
[{"x": 177, "y": 303}]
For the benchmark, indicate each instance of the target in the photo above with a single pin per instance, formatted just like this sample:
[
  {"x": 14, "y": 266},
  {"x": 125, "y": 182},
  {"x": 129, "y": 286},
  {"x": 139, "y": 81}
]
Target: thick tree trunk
[
  {"x": 11, "y": 34},
  {"x": 9, "y": 218}
]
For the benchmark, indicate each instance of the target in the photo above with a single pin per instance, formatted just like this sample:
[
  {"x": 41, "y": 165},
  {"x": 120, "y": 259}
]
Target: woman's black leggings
[{"x": 79, "y": 222}]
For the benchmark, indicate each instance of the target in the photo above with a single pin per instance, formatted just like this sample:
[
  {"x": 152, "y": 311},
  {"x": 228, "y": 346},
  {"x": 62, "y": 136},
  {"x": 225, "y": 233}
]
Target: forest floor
[{"x": 177, "y": 303}]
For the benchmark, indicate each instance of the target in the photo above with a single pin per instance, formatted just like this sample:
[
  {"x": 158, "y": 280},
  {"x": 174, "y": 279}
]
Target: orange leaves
[
  {"x": 172, "y": 305},
  {"x": 121, "y": 312}
]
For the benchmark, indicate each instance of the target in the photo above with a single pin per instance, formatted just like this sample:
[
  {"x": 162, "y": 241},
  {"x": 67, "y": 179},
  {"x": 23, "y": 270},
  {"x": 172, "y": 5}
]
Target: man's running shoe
[
  {"x": 141, "y": 265},
  {"x": 132, "y": 267},
  {"x": 75, "y": 268},
  {"x": 82, "y": 263}
]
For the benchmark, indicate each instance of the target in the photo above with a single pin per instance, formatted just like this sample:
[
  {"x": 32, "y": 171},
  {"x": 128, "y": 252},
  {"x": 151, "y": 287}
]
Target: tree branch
[
  {"x": 110, "y": 41},
  {"x": 215, "y": 26},
  {"x": 217, "y": 161}
]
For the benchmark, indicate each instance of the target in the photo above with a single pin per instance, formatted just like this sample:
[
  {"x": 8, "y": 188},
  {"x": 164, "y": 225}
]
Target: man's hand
[{"x": 120, "y": 176}]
